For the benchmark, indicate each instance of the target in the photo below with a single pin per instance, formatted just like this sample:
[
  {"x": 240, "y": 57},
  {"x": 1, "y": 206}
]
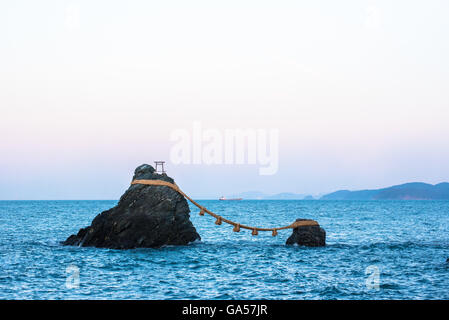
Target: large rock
[
  {"x": 146, "y": 216},
  {"x": 311, "y": 236}
]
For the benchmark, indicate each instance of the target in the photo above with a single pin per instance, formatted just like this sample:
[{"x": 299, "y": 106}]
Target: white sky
[{"x": 91, "y": 89}]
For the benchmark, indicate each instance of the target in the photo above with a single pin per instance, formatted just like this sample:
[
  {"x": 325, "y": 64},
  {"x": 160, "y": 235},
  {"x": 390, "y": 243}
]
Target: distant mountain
[
  {"x": 249, "y": 195},
  {"x": 257, "y": 195},
  {"x": 407, "y": 191},
  {"x": 286, "y": 196},
  {"x": 309, "y": 198}
]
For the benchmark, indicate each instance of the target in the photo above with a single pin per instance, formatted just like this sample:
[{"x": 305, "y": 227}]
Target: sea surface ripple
[{"x": 406, "y": 242}]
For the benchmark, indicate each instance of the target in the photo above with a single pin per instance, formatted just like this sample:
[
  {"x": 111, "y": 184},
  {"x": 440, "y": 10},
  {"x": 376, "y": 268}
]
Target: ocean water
[{"x": 375, "y": 250}]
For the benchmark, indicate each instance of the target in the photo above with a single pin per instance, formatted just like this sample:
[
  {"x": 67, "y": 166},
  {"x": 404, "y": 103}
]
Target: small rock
[{"x": 310, "y": 236}]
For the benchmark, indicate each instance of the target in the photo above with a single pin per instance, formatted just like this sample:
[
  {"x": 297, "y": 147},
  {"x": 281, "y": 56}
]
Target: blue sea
[{"x": 375, "y": 250}]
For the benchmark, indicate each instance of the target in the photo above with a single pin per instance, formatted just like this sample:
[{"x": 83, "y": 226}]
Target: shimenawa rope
[{"x": 220, "y": 219}]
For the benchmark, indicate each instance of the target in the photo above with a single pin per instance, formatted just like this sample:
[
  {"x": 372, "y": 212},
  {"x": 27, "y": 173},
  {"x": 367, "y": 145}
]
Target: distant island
[
  {"x": 257, "y": 195},
  {"x": 407, "y": 191}
]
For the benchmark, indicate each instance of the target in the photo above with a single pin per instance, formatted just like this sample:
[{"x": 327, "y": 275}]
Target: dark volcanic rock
[
  {"x": 311, "y": 236},
  {"x": 146, "y": 216}
]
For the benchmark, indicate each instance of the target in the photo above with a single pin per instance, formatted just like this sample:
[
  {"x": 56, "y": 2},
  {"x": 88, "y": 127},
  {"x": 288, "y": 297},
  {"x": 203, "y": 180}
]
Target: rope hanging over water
[{"x": 220, "y": 219}]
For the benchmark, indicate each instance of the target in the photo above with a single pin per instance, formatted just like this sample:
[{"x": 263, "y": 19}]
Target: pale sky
[{"x": 89, "y": 90}]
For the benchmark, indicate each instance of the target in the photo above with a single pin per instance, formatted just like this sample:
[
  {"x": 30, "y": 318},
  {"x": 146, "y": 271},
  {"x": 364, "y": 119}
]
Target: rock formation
[
  {"x": 311, "y": 236},
  {"x": 145, "y": 217}
]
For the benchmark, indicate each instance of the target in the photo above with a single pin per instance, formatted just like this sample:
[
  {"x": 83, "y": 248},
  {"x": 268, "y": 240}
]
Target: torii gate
[{"x": 159, "y": 163}]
